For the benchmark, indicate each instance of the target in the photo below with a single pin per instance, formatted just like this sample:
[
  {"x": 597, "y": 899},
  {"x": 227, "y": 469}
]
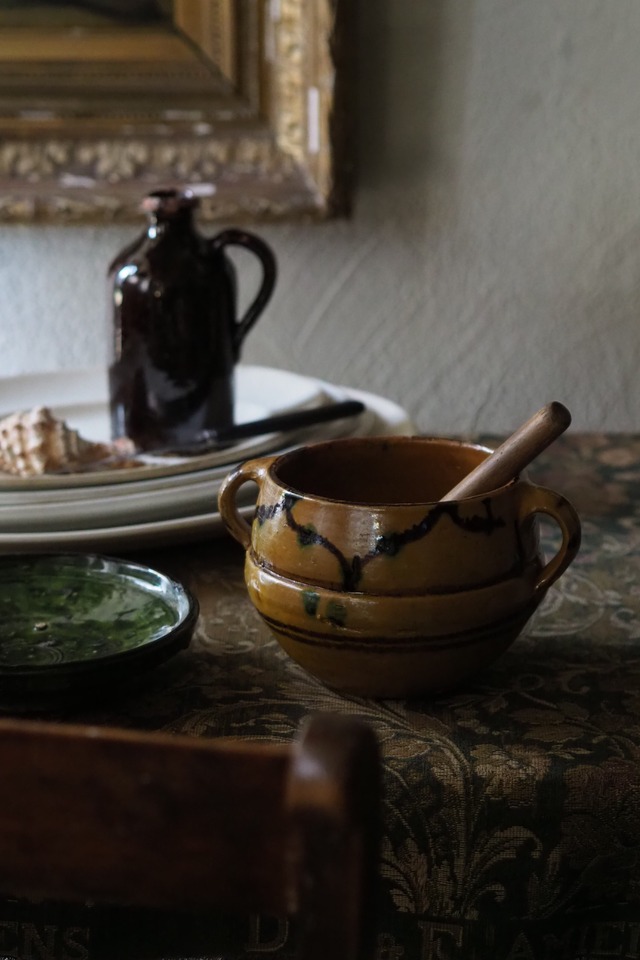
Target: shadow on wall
[{"x": 413, "y": 66}]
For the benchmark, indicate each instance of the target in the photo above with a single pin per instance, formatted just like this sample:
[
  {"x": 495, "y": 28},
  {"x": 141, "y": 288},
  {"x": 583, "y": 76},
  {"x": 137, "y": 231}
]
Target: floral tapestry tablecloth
[{"x": 512, "y": 806}]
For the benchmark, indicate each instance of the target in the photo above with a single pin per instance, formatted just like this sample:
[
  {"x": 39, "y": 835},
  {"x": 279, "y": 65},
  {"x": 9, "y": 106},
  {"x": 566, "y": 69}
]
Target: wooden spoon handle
[{"x": 512, "y": 456}]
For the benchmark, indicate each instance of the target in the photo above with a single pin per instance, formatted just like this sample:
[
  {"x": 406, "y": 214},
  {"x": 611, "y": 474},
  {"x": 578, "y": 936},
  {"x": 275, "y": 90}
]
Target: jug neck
[{"x": 170, "y": 210}]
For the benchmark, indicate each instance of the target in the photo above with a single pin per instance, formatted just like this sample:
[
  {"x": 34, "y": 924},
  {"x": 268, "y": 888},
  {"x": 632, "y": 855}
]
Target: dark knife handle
[
  {"x": 209, "y": 440},
  {"x": 284, "y": 421}
]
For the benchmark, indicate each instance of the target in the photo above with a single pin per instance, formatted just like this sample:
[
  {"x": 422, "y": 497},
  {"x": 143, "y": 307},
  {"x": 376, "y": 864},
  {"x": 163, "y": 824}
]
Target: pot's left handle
[{"x": 252, "y": 471}]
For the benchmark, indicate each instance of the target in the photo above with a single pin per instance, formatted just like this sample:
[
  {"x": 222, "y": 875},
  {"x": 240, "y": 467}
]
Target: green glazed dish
[{"x": 73, "y": 625}]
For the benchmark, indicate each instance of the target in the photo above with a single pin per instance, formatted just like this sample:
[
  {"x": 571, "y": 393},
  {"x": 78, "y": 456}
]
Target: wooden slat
[
  {"x": 148, "y": 850},
  {"x": 120, "y": 818}
]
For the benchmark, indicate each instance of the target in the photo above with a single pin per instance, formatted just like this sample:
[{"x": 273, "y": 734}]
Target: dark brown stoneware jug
[{"x": 176, "y": 333}]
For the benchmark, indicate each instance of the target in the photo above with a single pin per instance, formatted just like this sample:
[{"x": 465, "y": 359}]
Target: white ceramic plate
[
  {"x": 383, "y": 418},
  {"x": 80, "y": 398},
  {"x": 132, "y": 502},
  {"x": 145, "y": 499}
]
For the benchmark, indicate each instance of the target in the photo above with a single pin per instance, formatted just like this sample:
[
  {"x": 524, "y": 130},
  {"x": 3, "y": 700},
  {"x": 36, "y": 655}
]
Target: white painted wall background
[{"x": 493, "y": 261}]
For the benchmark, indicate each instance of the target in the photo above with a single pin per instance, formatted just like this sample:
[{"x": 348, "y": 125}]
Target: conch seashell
[{"x": 34, "y": 442}]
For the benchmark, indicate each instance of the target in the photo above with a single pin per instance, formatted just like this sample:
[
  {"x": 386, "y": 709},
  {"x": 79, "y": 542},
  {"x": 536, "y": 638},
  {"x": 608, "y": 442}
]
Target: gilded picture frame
[{"x": 244, "y": 101}]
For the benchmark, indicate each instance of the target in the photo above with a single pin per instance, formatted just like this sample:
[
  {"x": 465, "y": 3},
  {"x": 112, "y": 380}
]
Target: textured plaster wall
[{"x": 493, "y": 261}]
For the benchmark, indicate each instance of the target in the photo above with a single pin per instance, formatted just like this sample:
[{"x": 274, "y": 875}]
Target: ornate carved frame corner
[{"x": 277, "y": 146}]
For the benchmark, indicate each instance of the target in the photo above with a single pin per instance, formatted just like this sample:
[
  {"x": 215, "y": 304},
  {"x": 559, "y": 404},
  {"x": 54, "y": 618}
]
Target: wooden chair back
[{"x": 152, "y": 820}]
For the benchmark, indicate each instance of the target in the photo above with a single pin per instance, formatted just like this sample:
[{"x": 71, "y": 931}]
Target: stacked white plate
[{"x": 167, "y": 500}]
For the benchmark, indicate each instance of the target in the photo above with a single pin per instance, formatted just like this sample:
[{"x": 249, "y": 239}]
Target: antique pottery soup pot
[{"x": 375, "y": 584}]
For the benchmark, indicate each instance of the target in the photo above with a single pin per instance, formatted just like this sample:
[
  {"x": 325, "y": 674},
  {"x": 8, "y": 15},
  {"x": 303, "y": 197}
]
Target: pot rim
[{"x": 382, "y": 441}]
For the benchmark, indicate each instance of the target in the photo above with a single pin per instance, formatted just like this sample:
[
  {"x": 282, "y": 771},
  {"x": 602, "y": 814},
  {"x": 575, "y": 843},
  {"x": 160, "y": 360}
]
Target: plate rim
[{"x": 175, "y": 636}]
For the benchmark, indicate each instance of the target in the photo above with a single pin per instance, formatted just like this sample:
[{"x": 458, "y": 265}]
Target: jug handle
[{"x": 242, "y": 238}]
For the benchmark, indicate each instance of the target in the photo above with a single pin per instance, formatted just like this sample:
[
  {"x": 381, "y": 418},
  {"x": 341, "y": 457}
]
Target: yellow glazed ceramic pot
[{"x": 372, "y": 582}]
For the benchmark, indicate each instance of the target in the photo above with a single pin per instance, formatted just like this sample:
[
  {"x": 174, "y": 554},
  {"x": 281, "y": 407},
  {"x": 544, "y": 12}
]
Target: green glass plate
[{"x": 72, "y": 625}]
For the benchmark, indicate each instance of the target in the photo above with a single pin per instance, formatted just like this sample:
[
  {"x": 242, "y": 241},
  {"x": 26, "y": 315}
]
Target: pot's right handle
[
  {"x": 535, "y": 499},
  {"x": 252, "y": 470}
]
